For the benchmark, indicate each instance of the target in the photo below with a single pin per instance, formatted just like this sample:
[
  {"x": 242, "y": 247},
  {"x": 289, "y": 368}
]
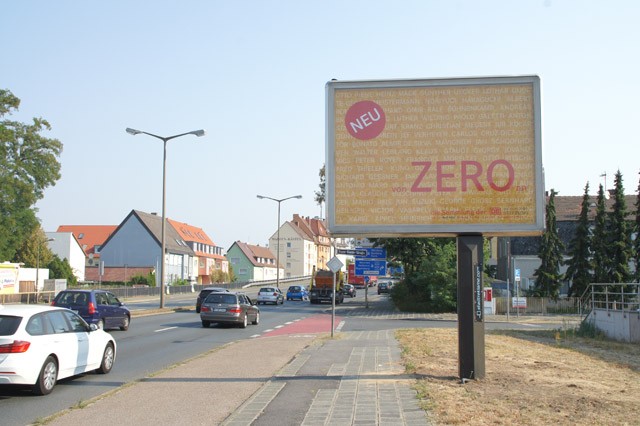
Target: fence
[
  {"x": 537, "y": 305},
  {"x": 608, "y": 296}
]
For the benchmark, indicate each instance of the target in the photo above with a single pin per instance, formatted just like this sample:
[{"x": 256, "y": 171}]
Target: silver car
[
  {"x": 229, "y": 308},
  {"x": 270, "y": 295}
]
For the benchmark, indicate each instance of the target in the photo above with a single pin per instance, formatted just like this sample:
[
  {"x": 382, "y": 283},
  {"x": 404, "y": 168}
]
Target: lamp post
[
  {"x": 278, "y": 232},
  {"x": 38, "y": 266},
  {"x": 164, "y": 193}
]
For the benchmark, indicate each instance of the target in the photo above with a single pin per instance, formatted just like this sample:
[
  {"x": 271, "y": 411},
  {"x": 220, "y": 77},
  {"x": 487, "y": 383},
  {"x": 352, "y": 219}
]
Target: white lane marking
[
  {"x": 278, "y": 326},
  {"x": 288, "y": 322},
  {"x": 268, "y": 330},
  {"x": 164, "y": 329},
  {"x": 254, "y": 336},
  {"x": 339, "y": 327}
]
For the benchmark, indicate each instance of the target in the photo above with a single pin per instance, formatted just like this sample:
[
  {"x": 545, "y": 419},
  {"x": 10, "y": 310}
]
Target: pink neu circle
[{"x": 365, "y": 120}]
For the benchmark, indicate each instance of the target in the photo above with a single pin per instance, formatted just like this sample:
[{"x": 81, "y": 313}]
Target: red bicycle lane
[{"x": 320, "y": 323}]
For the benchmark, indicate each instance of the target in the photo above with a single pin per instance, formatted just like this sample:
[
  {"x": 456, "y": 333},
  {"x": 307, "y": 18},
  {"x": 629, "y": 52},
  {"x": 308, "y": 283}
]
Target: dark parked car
[
  {"x": 349, "y": 290},
  {"x": 204, "y": 293},
  {"x": 384, "y": 288},
  {"x": 229, "y": 308},
  {"x": 98, "y": 307}
]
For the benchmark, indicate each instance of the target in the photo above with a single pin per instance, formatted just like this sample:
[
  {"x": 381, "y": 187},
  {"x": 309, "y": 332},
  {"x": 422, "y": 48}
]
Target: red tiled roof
[
  {"x": 253, "y": 253},
  {"x": 89, "y": 236}
]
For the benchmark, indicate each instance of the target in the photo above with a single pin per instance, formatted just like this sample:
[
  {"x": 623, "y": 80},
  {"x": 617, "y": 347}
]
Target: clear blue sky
[{"x": 253, "y": 74}]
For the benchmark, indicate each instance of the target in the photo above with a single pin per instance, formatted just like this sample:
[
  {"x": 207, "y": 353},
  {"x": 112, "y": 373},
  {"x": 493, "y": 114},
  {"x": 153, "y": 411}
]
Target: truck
[
  {"x": 322, "y": 287},
  {"x": 357, "y": 280}
]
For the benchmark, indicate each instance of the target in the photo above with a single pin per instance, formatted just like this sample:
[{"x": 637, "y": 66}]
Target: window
[
  {"x": 59, "y": 322},
  {"x": 288, "y": 245}
]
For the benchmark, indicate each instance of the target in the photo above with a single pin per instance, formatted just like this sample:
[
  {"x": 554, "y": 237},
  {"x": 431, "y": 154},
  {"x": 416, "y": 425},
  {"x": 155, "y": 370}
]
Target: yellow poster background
[{"x": 414, "y": 172}]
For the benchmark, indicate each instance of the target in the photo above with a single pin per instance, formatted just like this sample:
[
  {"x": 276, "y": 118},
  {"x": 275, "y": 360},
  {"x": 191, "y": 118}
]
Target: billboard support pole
[{"x": 471, "y": 357}]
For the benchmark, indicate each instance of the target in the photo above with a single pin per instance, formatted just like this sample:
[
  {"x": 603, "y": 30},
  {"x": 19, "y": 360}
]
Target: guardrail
[
  {"x": 125, "y": 292},
  {"x": 613, "y": 297}
]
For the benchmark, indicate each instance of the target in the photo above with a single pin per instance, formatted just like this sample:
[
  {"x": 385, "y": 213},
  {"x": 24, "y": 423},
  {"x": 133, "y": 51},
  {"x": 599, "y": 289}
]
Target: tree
[
  {"x": 636, "y": 251},
  {"x": 600, "y": 240},
  {"x": 320, "y": 197},
  {"x": 620, "y": 247},
  {"x": 548, "y": 273},
  {"x": 580, "y": 265},
  {"x": 410, "y": 251},
  {"x": 34, "y": 250},
  {"x": 28, "y": 165},
  {"x": 61, "y": 269}
]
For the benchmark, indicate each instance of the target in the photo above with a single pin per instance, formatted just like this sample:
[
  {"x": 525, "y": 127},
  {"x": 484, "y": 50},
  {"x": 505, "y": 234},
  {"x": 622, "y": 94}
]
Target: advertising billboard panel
[{"x": 434, "y": 157}]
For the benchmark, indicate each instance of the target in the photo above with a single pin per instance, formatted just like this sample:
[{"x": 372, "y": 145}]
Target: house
[
  {"x": 137, "y": 242},
  {"x": 210, "y": 257},
  {"x": 298, "y": 250},
  {"x": 316, "y": 229},
  {"x": 520, "y": 254},
  {"x": 66, "y": 246},
  {"x": 252, "y": 263},
  {"x": 90, "y": 238}
]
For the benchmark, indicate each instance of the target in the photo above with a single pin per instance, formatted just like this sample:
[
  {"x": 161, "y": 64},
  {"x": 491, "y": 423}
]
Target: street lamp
[
  {"x": 164, "y": 193},
  {"x": 278, "y": 237},
  {"x": 38, "y": 265}
]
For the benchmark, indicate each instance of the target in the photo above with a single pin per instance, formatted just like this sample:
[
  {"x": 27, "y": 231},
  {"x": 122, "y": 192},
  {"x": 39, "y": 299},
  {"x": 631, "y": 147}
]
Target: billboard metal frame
[{"x": 534, "y": 227}]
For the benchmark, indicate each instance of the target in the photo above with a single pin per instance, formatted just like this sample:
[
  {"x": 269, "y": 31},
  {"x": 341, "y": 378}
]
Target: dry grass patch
[{"x": 531, "y": 379}]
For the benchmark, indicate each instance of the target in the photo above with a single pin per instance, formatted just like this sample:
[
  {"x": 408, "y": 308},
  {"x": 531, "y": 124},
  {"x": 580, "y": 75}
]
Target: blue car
[
  {"x": 98, "y": 307},
  {"x": 297, "y": 292}
]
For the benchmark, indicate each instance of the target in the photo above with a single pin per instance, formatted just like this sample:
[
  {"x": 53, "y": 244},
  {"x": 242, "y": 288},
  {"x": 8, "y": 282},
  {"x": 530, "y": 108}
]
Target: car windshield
[
  {"x": 227, "y": 299},
  {"x": 9, "y": 324},
  {"x": 294, "y": 288},
  {"x": 266, "y": 290}
]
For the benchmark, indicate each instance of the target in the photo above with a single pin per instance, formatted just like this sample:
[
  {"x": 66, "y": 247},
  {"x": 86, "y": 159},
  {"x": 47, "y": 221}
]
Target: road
[{"x": 155, "y": 342}]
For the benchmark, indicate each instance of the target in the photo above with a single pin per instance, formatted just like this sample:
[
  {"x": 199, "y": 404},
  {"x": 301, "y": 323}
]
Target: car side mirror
[{"x": 93, "y": 327}]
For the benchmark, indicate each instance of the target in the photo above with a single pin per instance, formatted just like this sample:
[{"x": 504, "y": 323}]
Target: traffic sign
[
  {"x": 351, "y": 252},
  {"x": 374, "y": 252},
  {"x": 374, "y": 267}
]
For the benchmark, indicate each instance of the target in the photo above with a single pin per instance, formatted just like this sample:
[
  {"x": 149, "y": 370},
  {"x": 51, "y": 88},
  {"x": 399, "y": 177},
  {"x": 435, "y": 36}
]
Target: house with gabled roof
[
  {"x": 137, "y": 242},
  {"x": 66, "y": 246},
  {"x": 90, "y": 238},
  {"x": 298, "y": 249},
  {"x": 209, "y": 255},
  {"x": 252, "y": 263}
]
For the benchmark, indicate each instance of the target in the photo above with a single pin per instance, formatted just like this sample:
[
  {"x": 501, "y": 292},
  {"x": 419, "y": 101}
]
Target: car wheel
[
  {"x": 206, "y": 324},
  {"x": 47, "y": 378},
  {"x": 125, "y": 324},
  {"x": 244, "y": 322},
  {"x": 108, "y": 357},
  {"x": 256, "y": 321}
]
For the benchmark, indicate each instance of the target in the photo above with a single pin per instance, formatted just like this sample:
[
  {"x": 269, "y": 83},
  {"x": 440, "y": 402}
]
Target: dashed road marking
[{"x": 164, "y": 329}]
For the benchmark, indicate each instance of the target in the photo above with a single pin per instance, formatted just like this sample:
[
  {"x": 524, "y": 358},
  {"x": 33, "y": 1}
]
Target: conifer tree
[
  {"x": 600, "y": 241},
  {"x": 548, "y": 275},
  {"x": 620, "y": 248},
  {"x": 636, "y": 231},
  {"x": 579, "y": 264}
]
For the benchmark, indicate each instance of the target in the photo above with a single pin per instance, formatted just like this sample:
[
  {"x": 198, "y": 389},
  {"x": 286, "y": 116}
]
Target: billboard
[
  {"x": 434, "y": 157},
  {"x": 9, "y": 278}
]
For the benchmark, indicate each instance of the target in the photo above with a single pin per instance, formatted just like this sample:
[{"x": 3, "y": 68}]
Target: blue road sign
[
  {"x": 374, "y": 252},
  {"x": 373, "y": 267}
]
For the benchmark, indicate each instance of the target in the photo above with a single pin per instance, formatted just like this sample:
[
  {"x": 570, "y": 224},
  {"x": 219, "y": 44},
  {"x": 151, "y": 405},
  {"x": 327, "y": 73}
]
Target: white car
[
  {"x": 40, "y": 344},
  {"x": 270, "y": 295}
]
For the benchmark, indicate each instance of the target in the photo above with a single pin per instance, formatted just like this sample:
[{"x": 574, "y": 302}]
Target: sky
[{"x": 253, "y": 75}]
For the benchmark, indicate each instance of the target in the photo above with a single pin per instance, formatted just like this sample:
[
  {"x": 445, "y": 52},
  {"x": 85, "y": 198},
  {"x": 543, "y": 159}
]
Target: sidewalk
[{"x": 298, "y": 379}]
